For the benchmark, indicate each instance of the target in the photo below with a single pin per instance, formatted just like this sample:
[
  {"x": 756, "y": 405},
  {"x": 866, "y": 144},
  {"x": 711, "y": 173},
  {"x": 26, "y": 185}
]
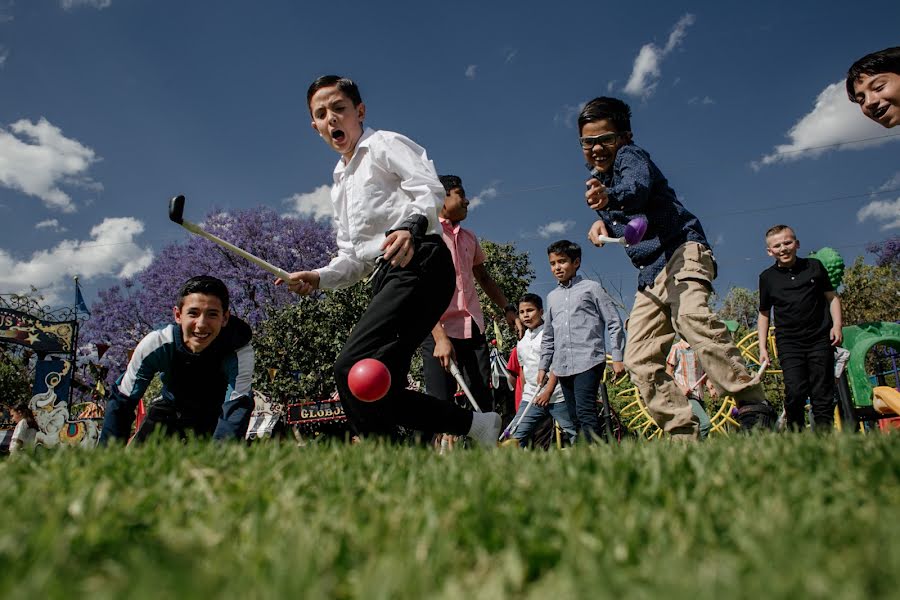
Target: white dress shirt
[
  {"x": 388, "y": 179},
  {"x": 529, "y": 351}
]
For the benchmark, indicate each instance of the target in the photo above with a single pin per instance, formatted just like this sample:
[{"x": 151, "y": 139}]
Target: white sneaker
[{"x": 485, "y": 428}]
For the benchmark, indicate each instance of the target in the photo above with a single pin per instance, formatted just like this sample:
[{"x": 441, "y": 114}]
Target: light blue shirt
[{"x": 576, "y": 316}]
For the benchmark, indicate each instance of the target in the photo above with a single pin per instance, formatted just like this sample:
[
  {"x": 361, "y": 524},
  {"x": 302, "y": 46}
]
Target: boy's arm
[
  {"x": 614, "y": 329},
  {"x": 443, "y": 347},
  {"x": 543, "y": 399},
  {"x": 762, "y": 336},
  {"x": 147, "y": 360},
  {"x": 762, "y": 321},
  {"x": 493, "y": 291},
  {"x": 418, "y": 178},
  {"x": 238, "y": 403},
  {"x": 547, "y": 345},
  {"x": 344, "y": 270},
  {"x": 837, "y": 319},
  {"x": 631, "y": 185}
]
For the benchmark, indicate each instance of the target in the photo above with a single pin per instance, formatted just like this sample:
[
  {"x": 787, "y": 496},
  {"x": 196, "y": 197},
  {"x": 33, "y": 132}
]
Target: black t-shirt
[{"x": 797, "y": 293}]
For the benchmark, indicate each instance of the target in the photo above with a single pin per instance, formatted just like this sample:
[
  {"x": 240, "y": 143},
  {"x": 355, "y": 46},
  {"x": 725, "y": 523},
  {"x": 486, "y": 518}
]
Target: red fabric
[{"x": 516, "y": 369}]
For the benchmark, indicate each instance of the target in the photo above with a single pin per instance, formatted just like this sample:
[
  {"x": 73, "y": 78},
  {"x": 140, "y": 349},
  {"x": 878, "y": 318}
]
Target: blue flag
[{"x": 80, "y": 305}]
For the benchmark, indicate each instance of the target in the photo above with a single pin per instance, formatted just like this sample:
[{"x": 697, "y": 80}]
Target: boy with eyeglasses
[{"x": 676, "y": 270}]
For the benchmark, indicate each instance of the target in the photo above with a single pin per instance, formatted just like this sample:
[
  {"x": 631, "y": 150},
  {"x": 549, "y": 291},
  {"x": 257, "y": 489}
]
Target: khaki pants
[{"x": 678, "y": 301}]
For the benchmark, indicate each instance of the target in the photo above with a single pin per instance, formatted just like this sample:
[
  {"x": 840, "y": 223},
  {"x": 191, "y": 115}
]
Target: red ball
[{"x": 369, "y": 380}]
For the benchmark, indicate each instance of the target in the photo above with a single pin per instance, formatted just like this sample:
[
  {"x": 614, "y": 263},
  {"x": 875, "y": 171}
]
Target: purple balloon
[{"x": 635, "y": 230}]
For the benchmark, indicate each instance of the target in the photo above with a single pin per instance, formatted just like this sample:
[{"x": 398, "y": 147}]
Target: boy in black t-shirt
[{"x": 807, "y": 327}]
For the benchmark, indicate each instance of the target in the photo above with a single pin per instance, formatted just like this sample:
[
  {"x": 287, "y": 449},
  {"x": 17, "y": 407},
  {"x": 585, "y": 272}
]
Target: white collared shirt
[
  {"x": 388, "y": 179},
  {"x": 529, "y": 351}
]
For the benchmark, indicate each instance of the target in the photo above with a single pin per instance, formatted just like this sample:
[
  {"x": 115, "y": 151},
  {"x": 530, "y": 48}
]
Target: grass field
[{"x": 758, "y": 517}]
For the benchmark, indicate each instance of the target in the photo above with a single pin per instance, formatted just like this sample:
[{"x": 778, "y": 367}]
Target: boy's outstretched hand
[
  {"x": 398, "y": 248},
  {"x": 303, "y": 283},
  {"x": 618, "y": 368},
  {"x": 596, "y": 194},
  {"x": 596, "y": 230}
]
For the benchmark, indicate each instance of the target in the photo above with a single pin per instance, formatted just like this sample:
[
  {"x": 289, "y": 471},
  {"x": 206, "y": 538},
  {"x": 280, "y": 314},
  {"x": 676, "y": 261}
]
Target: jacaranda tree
[{"x": 125, "y": 313}]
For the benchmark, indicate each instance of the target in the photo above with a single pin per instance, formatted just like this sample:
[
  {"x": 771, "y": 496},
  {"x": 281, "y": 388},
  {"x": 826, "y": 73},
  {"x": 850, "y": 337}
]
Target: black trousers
[
  {"x": 406, "y": 304},
  {"x": 809, "y": 374},
  {"x": 474, "y": 362}
]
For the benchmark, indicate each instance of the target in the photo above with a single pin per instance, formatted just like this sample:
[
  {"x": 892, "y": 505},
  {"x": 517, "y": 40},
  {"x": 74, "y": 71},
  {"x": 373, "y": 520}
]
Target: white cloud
[
  {"x": 568, "y": 115},
  {"x": 470, "y": 71},
  {"x": 720, "y": 239},
  {"x": 646, "y": 72},
  {"x": 4, "y": 55},
  {"x": 51, "y": 224},
  {"x": 703, "y": 100},
  {"x": 554, "y": 228},
  {"x": 73, "y": 4},
  {"x": 110, "y": 251},
  {"x": 40, "y": 159},
  {"x": 315, "y": 204},
  {"x": 487, "y": 193},
  {"x": 833, "y": 120},
  {"x": 509, "y": 54},
  {"x": 885, "y": 211}
]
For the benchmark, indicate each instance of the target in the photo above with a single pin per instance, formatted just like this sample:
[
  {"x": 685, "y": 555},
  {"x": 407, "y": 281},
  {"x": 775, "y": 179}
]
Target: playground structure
[
  {"x": 863, "y": 398},
  {"x": 50, "y": 339}
]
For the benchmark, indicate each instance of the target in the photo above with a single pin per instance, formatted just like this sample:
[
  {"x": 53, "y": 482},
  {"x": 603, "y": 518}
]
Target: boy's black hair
[
  {"x": 614, "y": 110},
  {"x": 883, "y": 61},
  {"x": 570, "y": 249},
  {"x": 532, "y": 299},
  {"x": 204, "y": 284},
  {"x": 450, "y": 181},
  {"x": 345, "y": 85}
]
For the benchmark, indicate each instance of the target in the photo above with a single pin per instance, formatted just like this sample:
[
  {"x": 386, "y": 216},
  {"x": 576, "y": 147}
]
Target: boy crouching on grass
[
  {"x": 579, "y": 312},
  {"x": 205, "y": 362},
  {"x": 386, "y": 199},
  {"x": 549, "y": 399}
]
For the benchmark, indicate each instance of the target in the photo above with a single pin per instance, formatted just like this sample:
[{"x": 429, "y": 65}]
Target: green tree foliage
[
  {"x": 302, "y": 340},
  {"x": 741, "y": 305},
  {"x": 15, "y": 382},
  {"x": 871, "y": 293}
]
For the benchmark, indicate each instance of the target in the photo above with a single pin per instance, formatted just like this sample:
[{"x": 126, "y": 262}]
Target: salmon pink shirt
[{"x": 464, "y": 309}]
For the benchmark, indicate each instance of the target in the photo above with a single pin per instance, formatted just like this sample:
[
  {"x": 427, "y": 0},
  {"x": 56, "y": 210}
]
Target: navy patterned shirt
[{"x": 636, "y": 187}]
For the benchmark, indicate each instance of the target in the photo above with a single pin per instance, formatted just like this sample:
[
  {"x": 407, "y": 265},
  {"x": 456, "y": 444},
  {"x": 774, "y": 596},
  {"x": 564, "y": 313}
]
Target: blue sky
[{"x": 110, "y": 107}]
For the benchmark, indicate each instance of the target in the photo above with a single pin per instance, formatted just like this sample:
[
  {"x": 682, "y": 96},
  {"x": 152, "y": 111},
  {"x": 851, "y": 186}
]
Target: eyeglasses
[{"x": 607, "y": 140}]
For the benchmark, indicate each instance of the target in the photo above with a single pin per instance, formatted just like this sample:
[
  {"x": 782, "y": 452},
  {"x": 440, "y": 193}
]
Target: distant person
[
  {"x": 684, "y": 366},
  {"x": 676, "y": 269},
  {"x": 386, "y": 199},
  {"x": 459, "y": 335},
  {"x": 550, "y": 399},
  {"x": 808, "y": 327},
  {"x": 579, "y": 314},
  {"x": 26, "y": 427},
  {"x": 873, "y": 82},
  {"x": 205, "y": 362}
]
